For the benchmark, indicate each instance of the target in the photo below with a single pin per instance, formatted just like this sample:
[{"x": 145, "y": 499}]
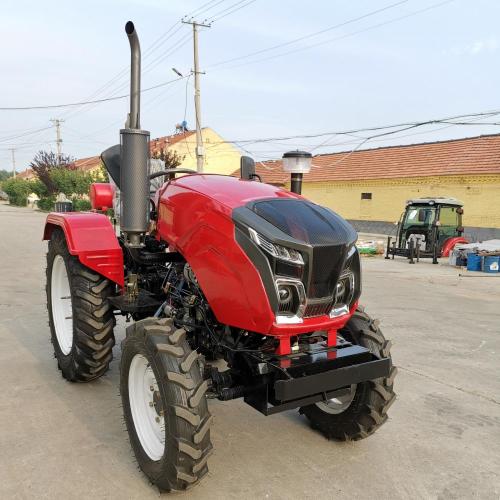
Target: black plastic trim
[
  {"x": 286, "y": 390},
  {"x": 262, "y": 264}
]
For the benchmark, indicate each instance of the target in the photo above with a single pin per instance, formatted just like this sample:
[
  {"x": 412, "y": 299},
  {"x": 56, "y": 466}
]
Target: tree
[
  {"x": 18, "y": 190},
  {"x": 4, "y": 175},
  {"x": 44, "y": 163},
  {"x": 172, "y": 159}
]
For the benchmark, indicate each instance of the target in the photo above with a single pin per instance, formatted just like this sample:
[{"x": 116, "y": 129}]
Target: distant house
[
  {"x": 220, "y": 157},
  {"x": 91, "y": 164},
  {"x": 27, "y": 174},
  {"x": 371, "y": 186}
]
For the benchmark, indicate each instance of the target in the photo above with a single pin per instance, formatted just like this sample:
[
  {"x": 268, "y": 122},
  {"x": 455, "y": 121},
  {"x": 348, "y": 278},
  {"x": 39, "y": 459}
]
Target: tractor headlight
[
  {"x": 291, "y": 300},
  {"x": 279, "y": 252}
]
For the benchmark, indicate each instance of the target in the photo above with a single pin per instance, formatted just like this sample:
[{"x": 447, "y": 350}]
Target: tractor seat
[{"x": 111, "y": 159}]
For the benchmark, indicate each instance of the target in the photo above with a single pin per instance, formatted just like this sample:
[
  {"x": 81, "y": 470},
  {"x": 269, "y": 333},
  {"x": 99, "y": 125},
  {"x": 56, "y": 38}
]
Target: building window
[{"x": 366, "y": 196}]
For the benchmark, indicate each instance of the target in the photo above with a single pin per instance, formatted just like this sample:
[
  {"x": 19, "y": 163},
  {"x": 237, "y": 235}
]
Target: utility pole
[
  {"x": 57, "y": 123},
  {"x": 13, "y": 151},
  {"x": 200, "y": 153}
]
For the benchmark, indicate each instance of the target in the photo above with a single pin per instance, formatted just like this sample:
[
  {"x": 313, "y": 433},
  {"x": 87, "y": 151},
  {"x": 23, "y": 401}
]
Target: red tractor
[{"x": 212, "y": 268}]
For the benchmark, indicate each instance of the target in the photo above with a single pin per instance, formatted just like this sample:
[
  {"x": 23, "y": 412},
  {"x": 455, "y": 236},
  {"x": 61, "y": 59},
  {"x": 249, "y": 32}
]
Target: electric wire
[
  {"x": 105, "y": 99},
  {"x": 347, "y": 35},
  {"x": 310, "y": 35},
  {"x": 218, "y": 16}
]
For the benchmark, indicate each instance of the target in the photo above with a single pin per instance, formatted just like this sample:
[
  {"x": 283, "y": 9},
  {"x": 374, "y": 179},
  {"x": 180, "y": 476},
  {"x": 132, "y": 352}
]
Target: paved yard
[{"x": 59, "y": 440}]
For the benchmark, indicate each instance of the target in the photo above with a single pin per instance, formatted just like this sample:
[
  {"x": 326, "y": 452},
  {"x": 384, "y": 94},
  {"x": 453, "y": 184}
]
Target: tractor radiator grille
[{"x": 318, "y": 309}]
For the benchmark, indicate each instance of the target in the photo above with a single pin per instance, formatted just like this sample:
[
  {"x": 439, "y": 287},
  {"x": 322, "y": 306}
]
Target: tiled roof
[
  {"x": 470, "y": 156},
  {"x": 159, "y": 144},
  {"x": 86, "y": 164},
  {"x": 26, "y": 174}
]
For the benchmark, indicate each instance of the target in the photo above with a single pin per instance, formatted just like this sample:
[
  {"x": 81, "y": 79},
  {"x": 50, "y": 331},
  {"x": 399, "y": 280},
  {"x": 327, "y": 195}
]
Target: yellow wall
[
  {"x": 480, "y": 194},
  {"x": 220, "y": 157}
]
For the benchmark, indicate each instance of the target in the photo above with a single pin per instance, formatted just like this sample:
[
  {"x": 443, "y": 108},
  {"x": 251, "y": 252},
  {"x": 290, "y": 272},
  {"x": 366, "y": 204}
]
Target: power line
[
  {"x": 310, "y": 35},
  {"x": 106, "y": 99},
  {"x": 25, "y": 134},
  {"x": 400, "y": 126},
  {"x": 218, "y": 17},
  {"x": 347, "y": 35},
  {"x": 200, "y": 12}
]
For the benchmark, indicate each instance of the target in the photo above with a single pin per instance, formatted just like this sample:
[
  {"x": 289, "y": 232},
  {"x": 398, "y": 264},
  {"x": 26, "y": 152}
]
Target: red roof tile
[
  {"x": 470, "y": 156},
  {"x": 86, "y": 164},
  {"x": 159, "y": 144}
]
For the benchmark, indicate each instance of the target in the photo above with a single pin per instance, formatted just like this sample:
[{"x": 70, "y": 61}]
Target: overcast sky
[{"x": 432, "y": 64}]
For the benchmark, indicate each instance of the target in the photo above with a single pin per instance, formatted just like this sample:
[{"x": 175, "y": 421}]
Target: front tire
[
  {"x": 361, "y": 412},
  {"x": 81, "y": 318},
  {"x": 164, "y": 404}
]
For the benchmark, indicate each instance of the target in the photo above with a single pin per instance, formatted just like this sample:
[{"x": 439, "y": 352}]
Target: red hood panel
[{"x": 230, "y": 191}]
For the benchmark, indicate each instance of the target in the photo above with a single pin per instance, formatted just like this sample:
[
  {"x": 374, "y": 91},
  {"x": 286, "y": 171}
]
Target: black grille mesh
[
  {"x": 326, "y": 266},
  {"x": 318, "y": 309}
]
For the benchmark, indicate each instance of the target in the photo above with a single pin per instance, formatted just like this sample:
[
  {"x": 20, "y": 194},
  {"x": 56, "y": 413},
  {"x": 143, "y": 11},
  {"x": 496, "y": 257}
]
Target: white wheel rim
[
  {"x": 145, "y": 406},
  {"x": 62, "y": 309},
  {"x": 338, "y": 405}
]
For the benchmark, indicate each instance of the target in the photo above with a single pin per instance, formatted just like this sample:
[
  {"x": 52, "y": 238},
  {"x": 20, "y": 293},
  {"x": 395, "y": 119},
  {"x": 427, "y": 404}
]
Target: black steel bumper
[{"x": 306, "y": 378}]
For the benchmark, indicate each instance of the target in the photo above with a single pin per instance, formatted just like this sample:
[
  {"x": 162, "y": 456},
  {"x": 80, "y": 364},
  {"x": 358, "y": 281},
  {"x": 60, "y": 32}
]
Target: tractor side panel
[
  {"x": 91, "y": 237},
  {"x": 202, "y": 231},
  {"x": 450, "y": 243}
]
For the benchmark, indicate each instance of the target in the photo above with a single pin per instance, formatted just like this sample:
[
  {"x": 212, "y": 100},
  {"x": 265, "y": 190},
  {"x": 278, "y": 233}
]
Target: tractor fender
[
  {"x": 450, "y": 243},
  {"x": 90, "y": 237}
]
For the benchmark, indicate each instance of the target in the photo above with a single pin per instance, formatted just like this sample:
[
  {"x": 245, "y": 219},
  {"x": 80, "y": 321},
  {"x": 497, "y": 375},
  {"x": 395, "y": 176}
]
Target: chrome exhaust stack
[{"x": 134, "y": 156}]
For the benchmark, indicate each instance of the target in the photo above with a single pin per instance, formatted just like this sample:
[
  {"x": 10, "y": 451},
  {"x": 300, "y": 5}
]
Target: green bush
[
  {"x": 80, "y": 205},
  {"x": 71, "y": 182},
  {"x": 47, "y": 203},
  {"x": 17, "y": 190}
]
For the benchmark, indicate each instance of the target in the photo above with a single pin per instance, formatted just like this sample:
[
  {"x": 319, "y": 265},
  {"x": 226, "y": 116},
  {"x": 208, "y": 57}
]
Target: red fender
[
  {"x": 91, "y": 237},
  {"x": 450, "y": 243}
]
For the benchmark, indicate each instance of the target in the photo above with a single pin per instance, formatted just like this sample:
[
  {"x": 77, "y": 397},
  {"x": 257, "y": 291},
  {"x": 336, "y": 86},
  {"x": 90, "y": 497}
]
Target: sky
[{"x": 395, "y": 66}]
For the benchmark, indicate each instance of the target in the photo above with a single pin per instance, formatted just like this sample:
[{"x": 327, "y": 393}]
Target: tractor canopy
[{"x": 430, "y": 222}]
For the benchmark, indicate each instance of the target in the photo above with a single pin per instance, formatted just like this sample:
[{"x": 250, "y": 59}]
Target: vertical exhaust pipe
[
  {"x": 135, "y": 76},
  {"x": 134, "y": 156}
]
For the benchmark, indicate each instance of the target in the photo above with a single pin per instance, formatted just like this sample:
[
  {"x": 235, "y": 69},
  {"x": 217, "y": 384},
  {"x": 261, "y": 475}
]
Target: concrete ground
[{"x": 60, "y": 440}]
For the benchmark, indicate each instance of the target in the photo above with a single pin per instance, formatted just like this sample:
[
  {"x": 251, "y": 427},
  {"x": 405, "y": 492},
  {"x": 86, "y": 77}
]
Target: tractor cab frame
[{"x": 429, "y": 227}]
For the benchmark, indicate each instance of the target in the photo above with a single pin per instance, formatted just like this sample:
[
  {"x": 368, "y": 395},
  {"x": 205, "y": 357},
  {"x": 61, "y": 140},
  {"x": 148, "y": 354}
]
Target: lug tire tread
[
  {"x": 368, "y": 410},
  {"x": 93, "y": 319},
  {"x": 179, "y": 374}
]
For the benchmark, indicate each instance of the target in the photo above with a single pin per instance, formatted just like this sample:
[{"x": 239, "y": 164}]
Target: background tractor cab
[{"x": 429, "y": 227}]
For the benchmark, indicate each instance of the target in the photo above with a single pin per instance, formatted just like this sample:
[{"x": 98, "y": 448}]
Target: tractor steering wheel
[{"x": 172, "y": 171}]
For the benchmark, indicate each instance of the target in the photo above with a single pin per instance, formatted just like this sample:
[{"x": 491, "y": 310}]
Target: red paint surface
[
  {"x": 450, "y": 243},
  {"x": 101, "y": 195},
  {"x": 194, "y": 217},
  {"x": 332, "y": 337},
  {"x": 91, "y": 237}
]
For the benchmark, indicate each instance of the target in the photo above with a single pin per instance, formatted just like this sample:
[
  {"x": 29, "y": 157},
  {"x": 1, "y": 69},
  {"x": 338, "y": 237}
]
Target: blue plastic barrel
[
  {"x": 491, "y": 264},
  {"x": 473, "y": 262}
]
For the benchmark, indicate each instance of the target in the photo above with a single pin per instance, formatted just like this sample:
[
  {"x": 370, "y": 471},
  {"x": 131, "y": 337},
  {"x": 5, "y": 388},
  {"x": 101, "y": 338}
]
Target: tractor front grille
[{"x": 318, "y": 309}]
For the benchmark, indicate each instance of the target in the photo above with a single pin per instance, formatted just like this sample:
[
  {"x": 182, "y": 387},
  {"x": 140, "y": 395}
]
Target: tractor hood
[
  {"x": 230, "y": 191},
  {"x": 261, "y": 238}
]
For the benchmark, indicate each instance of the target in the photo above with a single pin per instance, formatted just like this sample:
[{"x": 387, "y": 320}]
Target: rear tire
[
  {"x": 367, "y": 411},
  {"x": 81, "y": 318},
  {"x": 164, "y": 404}
]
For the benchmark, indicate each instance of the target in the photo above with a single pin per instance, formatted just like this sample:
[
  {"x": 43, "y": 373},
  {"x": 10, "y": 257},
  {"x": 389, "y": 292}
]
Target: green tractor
[{"x": 429, "y": 227}]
